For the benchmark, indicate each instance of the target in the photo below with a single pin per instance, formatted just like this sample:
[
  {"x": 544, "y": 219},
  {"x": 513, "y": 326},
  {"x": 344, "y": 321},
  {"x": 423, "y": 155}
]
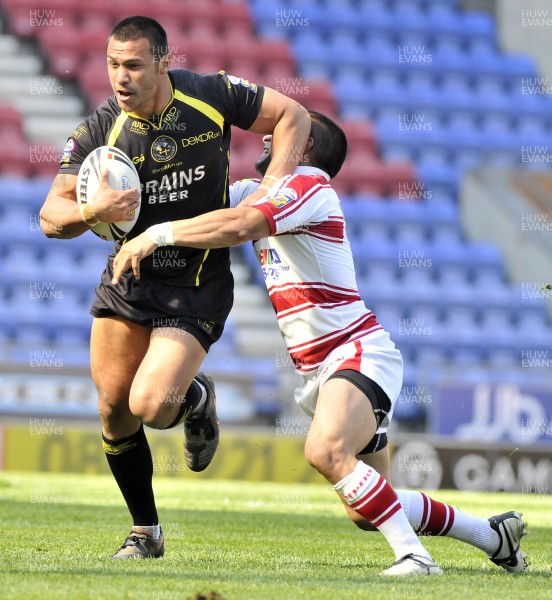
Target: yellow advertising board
[{"x": 48, "y": 446}]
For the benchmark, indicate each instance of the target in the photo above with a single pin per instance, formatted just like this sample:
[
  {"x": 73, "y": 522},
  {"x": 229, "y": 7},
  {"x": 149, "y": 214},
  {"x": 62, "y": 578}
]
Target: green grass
[{"x": 244, "y": 540}]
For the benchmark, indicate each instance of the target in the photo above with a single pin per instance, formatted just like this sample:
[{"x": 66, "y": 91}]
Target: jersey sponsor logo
[
  {"x": 67, "y": 151},
  {"x": 271, "y": 263},
  {"x": 171, "y": 187},
  {"x": 284, "y": 197},
  {"x": 199, "y": 139},
  {"x": 269, "y": 256},
  {"x": 140, "y": 127},
  {"x": 244, "y": 82},
  {"x": 163, "y": 148},
  {"x": 169, "y": 121},
  {"x": 138, "y": 159}
]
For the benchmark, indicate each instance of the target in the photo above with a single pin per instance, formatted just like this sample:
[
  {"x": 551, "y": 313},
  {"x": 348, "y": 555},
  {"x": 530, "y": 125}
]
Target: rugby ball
[{"x": 122, "y": 175}]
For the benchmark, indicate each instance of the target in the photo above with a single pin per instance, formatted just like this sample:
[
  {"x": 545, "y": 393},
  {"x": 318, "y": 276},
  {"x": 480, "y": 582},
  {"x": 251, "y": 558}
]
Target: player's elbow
[
  {"x": 251, "y": 225},
  {"x": 48, "y": 229}
]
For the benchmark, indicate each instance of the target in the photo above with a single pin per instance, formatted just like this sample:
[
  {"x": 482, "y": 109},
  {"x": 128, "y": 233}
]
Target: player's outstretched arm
[
  {"x": 62, "y": 217},
  {"x": 216, "y": 229},
  {"x": 289, "y": 123}
]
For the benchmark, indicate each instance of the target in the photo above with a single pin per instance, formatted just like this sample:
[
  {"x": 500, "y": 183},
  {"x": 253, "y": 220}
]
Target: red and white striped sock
[
  {"x": 367, "y": 492},
  {"x": 430, "y": 517}
]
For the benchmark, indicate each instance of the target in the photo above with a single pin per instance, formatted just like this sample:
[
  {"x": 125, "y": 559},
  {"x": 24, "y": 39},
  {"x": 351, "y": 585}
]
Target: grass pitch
[{"x": 246, "y": 541}]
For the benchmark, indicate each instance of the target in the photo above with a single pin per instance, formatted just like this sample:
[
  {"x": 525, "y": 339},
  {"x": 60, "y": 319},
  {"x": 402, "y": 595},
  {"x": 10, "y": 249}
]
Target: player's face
[
  {"x": 134, "y": 75},
  {"x": 261, "y": 164}
]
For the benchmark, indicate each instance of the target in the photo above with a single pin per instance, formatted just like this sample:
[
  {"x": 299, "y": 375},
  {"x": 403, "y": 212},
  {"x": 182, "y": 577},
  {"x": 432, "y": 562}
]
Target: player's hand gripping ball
[{"x": 122, "y": 175}]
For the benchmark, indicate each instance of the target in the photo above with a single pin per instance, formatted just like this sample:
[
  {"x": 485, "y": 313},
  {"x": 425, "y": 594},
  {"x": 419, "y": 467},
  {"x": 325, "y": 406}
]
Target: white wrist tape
[{"x": 161, "y": 234}]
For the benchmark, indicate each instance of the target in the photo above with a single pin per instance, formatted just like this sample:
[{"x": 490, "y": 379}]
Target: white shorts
[{"x": 373, "y": 355}]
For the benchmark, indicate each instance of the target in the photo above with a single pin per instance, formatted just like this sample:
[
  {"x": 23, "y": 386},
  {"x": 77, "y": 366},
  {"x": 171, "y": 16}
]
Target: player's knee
[
  {"x": 112, "y": 409},
  {"x": 325, "y": 456},
  {"x": 151, "y": 410}
]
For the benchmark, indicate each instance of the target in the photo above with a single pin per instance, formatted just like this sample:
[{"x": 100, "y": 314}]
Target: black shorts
[
  {"x": 201, "y": 310},
  {"x": 379, "y": 400}
]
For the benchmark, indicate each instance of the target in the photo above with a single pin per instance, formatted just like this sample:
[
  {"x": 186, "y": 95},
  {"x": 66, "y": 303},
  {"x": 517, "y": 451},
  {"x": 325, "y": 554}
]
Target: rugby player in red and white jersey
[{"x": 352, "y": 370}]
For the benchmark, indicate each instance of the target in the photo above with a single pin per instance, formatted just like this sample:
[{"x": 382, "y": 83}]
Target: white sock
[
  {"x": 153, "y": 530},
  {"x": 367, "y": 492},
  {"x": 465, "y": 527}
]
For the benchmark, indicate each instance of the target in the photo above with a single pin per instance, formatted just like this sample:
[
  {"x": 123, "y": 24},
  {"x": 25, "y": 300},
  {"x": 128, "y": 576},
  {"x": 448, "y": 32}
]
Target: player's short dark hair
[
  {"x": 134, "y": 28},
  {"x": 329, "y": 147}
]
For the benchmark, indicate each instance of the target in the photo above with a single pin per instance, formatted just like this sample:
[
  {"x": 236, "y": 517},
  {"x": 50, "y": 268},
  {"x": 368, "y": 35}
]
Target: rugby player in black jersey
[{"x": 149, "y": 337}]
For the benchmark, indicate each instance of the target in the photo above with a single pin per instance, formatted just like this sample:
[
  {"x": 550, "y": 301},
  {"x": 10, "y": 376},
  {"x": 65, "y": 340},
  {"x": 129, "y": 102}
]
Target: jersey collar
[{"x": 306, "y": 170}]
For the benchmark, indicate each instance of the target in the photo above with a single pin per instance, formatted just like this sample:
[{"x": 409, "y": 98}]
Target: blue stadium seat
[
  {"x": 380, "y": 52},
  {"x": 19, "y": 222},
  {"x": 485, "y": 257},
  {"x": 61, "y": 264},
  {"x": 377, "y": 292},
  {"x": 409, "y": 19},
  {"x": 458, "y": 97},
  {"x": 68, "y": 311},
  {"x": 419, "y": 288},
  {"x": 352, "y": 91},
  {"x": 438, "y": 174},
  {"x": 443, "y": 19},
  {"x": 16, "y": 191},
  {"x": 478, "y": 25},
  {"x": 368, "y": 218},
  {"x": 346, "y": 54},
  {"x": 26, "y": 304},
  {"x": 497, "y": 326},
  {"x": 21, "y": 262},
  {"x": 382, "y": 273}
]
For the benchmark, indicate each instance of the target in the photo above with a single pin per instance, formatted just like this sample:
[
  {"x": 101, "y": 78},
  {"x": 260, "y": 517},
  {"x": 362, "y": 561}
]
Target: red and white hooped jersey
[{"x": 308, "y": 266}]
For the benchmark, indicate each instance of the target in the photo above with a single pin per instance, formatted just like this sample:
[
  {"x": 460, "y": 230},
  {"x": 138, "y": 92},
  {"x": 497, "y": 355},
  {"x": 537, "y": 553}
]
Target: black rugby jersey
[{"x": 182, "y": 161}]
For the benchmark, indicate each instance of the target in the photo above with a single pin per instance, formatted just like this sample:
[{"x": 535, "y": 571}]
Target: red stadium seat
[
  {"x": 362, "y": 173},
  {"x": 10, "y": 121},
  {"x": 235, "y": 16},
  {"x": 14, "y": 155},
  {"x": 121, "y": 10},
  {"x": 94, "y": 31},
  {"x": 399, "y": 176},
  {"x": 63, "y": 52},
  {"x": 242, "y": 166},
  {"x": 94, "y": 80},
  {"x": 204, "y": 65},
  {"x": 99, "y": 9},
  {"x": 246, "y": 70},
  {"x": 54, "y": 41},
  {"x": 238, "y": 46},
  {"x": 360, "y": 135},
  {"x": 278, "y": 77},
  {"x": 319, "y": 96},
  {"x": 276, "y": 53},
  {"x": 196, "y": 13}
]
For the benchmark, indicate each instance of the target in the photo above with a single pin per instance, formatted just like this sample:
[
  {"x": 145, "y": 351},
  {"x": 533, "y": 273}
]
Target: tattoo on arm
[{"x": 59, "y": 181}]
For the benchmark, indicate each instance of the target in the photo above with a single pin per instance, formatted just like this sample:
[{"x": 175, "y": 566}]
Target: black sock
[
  {"x": 187, "y": 403},
  {"x": 132, "y": 466}
]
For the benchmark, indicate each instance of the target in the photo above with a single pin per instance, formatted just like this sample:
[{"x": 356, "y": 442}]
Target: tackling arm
[{"x": 216, "y": 229}]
